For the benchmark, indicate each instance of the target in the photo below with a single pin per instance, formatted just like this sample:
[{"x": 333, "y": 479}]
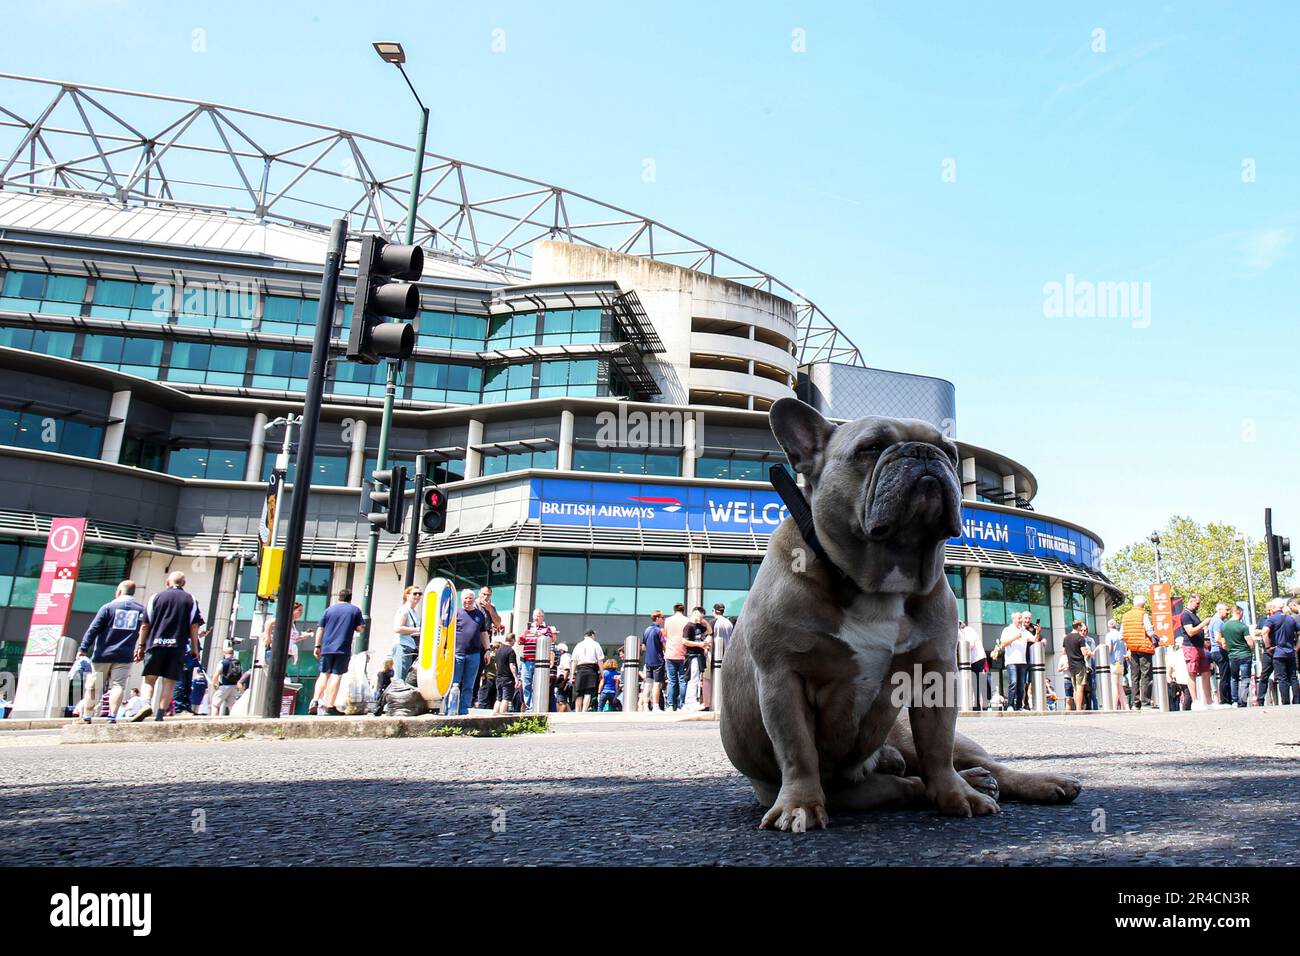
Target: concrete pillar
[
  {"x": 564, "y": 459},
  {"x": 694, "y": 581},
  {"x": 227, "y": 594},
  {"x": 525, "y": 568},
  {"x": 689, "y": 438},
  {"x": 968, "y": 483},
  {"x": 357, "y": 454},
  {"x": 256, "y": 448},
  {"x": 1100, "y": 607},
  {"x": 1059, "y": 623},
  {"x": 473, "y": 459},
  {"x": 115, "y": 433},
  {"x": 1009, "y": 486},
  {"x": 974, "y": 609}
]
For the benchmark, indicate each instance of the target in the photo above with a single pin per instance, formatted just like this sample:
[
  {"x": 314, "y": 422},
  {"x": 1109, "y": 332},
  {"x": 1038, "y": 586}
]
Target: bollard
[
  {"x": 1159, "y": 679},
  {"x": 719, "y": 648},
  {"x": 963, "y": 676},
  {"x": 542, "y": 675},
  {"x": 1105, "y": 689},
  {"x": 1037, "y": 675},
  {"x": 631, "y": 673}
]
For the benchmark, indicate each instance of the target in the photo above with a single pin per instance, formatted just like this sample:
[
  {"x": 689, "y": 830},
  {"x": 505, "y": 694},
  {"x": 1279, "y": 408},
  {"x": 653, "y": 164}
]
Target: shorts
[
  {"x": 165, "y": 662},
  {"x": 108, "y": 676},
  {"x": 655, "y": 673},
  {"x": 1080, "y": 676},
  {"x": 586, "y": 681},
  {"x": 505, "y": 688},
  {"x": 225, "y": 696},
  {"x": 334, "y": 664},
  {"x": 1198, "y": 662}
]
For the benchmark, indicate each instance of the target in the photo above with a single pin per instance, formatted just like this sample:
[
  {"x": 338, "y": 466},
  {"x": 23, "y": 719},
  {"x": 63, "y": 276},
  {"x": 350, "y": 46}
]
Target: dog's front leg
[
  {"x": 788, "y": 719},
  {"x": 934, "y": 725}
]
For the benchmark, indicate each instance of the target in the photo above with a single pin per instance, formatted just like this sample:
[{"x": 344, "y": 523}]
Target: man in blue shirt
[
  {"x": 473, "y": 630},
  {"x": 652, "y": 652},
  {"x": 1279, "y": 633},
  {"x": 341, "y": 621},
  {"x": 109, "y": 642},
  {"x": 170, "y": 625}
]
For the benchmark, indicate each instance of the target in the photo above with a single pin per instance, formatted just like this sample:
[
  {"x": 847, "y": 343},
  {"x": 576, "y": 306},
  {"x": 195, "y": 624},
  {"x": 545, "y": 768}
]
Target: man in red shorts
[{"x": 1195, "y": 633}]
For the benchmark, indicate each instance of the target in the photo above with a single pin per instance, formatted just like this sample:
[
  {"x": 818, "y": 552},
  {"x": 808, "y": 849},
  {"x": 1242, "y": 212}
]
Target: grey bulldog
[{"x": 812, "y": 712}]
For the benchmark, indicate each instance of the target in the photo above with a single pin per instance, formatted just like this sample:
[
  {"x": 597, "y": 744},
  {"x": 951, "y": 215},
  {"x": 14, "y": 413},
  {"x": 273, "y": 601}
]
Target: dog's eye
[{"x": 875, "y": 448}]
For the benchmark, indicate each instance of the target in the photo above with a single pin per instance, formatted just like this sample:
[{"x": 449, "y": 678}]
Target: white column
[
  {"x": 473, "y": 459},
  {"x": 1100, "y": 607},
  {"x": 256, "y": 448},
  {"x": 1009, "y": 486},
  {"x": 115, "y": 432},
  {"x": 968, "y": 480},
  {"x": 564, "y": 460},
  {"x": 974, "y": 607},
  {"x": 690, "y": 437},
  {"x": 524, "y": 567},
  {"x": 694, "y": 581},
  {"x": 357, "y": 455},
  {"x": 1059, "y": 624}
]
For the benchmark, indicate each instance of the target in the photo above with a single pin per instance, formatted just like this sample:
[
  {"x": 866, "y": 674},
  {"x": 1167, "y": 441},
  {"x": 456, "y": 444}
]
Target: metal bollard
[
  {"x": 631, "y": 673},
  {"x": 1037, "y": 675},
  {"x": 963, "y": 676},
  {"x": 1159, "y": 679},
  {"x": 1105, "y": 689},
  {"x": 542, "y": 675},
  {"x": 719, "y": 648}
]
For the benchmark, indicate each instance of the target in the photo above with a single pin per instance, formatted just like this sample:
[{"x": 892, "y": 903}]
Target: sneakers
[
  {"x": 158, "y": 717},
  {"x": 145, "y": 711},
  {"x": 313, "y": 709},
  {"x": 85, "y": 720},
  {"x": 331, "y": 712}
]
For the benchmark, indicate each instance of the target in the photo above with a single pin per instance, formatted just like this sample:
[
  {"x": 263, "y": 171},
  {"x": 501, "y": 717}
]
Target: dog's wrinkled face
[{"x": 884, "y": 493}]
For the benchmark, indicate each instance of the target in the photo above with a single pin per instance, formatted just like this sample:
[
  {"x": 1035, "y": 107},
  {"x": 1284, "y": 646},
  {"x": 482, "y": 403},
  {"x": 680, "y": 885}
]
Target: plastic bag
[{"x": 403, "y": 700}]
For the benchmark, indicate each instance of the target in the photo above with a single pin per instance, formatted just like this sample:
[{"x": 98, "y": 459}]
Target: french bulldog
[{"x": 811, "y": 716}]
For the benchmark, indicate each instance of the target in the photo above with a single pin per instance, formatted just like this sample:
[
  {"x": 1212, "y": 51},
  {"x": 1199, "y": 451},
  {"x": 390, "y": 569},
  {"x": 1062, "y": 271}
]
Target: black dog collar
[{"x": 844, "y": 587}]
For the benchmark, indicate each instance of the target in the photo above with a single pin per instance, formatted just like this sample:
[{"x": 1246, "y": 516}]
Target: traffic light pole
[
  {"x": 413, "y": 540},
  {"x": 372, "y": 545},
  {"x": 305, "y": 467},
  {"x": 1272, "y": 559}
]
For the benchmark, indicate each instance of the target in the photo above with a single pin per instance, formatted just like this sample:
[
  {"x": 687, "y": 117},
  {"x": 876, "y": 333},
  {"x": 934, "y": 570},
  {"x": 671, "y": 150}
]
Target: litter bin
[{"x": 289, "y": 698}]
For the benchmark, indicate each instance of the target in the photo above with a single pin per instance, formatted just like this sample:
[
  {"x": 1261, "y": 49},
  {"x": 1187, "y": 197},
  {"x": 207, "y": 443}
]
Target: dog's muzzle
[{"x": 913, "y": 488}]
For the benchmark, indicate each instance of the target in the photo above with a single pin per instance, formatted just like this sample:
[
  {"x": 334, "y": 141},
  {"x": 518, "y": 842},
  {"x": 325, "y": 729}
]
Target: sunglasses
[{"x": 417, "y": 594}]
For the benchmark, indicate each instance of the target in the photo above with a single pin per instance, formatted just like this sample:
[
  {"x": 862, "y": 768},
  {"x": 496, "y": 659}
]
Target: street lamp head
[
  {"x": 390, "y": 51},
  {"x": 1155, "y": 538}
]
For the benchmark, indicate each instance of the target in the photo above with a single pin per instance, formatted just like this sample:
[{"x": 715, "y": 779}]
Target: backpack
[{"x": 231, "y": 671}]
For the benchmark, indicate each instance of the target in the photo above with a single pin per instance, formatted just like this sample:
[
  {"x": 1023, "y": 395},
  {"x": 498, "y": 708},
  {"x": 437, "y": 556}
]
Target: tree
[{"x": 1195, "y": 559}]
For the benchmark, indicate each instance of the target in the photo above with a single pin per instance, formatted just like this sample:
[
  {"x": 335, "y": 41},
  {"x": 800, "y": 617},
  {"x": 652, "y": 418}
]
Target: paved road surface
[{"x": 1217, "y": 787}]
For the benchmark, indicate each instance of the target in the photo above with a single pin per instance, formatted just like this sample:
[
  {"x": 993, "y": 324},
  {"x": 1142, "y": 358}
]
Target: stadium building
[{"x": 593, "y": 384}]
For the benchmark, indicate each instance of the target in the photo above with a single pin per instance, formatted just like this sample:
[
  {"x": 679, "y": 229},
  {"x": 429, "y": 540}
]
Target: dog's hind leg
[{"x": 876, "y": 791}]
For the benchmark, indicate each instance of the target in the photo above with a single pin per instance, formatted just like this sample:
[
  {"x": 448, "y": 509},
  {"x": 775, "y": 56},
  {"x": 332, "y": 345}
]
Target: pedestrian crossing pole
[{"x": 303, "y": 470}]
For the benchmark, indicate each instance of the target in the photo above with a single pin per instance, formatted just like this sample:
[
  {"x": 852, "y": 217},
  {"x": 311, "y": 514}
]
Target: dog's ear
[{"x": 802, "y": 432}]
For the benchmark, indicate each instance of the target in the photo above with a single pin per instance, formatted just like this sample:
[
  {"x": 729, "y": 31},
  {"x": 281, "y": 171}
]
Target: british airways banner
[{"x": 656, "y": 507}]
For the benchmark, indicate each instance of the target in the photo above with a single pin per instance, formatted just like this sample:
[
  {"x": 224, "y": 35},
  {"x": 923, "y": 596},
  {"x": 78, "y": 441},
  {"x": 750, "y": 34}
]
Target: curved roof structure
[{"x": 143, "y": 150}]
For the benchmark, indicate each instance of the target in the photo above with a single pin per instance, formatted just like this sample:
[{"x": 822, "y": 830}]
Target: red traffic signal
[{"x": 435, "y": 510}]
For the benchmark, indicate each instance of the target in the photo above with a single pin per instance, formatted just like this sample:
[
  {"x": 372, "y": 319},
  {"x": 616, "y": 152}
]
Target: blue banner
[{"x": 610, "y": 504}]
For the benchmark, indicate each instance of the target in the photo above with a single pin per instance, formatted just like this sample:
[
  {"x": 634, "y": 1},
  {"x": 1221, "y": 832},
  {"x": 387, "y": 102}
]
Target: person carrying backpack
[{"x": 227, "y": 691}]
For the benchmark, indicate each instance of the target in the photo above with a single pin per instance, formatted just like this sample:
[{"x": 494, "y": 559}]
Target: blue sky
[{"x": 833, "y": 169}]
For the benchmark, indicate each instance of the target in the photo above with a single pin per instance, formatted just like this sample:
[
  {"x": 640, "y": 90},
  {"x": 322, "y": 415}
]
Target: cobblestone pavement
[{"x": 1217, "y": 787}]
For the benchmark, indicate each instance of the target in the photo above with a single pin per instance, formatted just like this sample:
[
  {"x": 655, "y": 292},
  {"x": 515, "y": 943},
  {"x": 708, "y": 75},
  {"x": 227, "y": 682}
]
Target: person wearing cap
[{"x": 228, "y": 675}]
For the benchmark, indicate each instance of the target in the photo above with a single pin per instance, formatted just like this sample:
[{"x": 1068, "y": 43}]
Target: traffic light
[
  {"x": 435, "y": 510},
  {"x": 384, "y": 292},
  {"x": 388, "y": 499},
  {"x": 1279, "y": 554}
]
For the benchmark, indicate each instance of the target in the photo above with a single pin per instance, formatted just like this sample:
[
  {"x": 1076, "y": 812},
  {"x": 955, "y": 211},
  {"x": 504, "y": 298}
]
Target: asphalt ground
[{"x": 1204, "y": 788}]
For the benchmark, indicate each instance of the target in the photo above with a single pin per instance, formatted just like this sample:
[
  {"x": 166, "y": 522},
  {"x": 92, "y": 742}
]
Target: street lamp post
[
  {"x": 390, "y": 51},
  {"x": 1155, "y": 540},
  {"x": 1250, "y": 579}
]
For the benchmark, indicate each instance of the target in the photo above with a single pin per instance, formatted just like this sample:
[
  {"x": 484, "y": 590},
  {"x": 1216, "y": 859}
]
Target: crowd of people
[
  {"x": 1216, "y": 662},
  {"x": 493, "y": 670}
]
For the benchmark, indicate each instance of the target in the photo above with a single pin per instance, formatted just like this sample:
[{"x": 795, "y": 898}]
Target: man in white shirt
[
  {"x": 1118, "y": 652},
  {"x": 1015, "y": 641},
  {"x": 587, "y": 658},
  {"x": 979, "y": 662}
]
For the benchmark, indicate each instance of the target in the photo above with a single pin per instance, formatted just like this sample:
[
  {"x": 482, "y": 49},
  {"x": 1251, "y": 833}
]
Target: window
[
  {"x": 498, "y": 464},
  {"x": 286, "y": 315},
  {"x": 728, "y": 582},
  {"x": 43, "y": 292},
  {"x": 508, "y": 383},
  {"x": 281, "y": 369},
  {"x": 357, "y": 378},
  {"x": 736, "y": 469},
  {"x": 627, "y": 462},
  {"x": 326, "y": 469},
  {"x": 207, "y": 364},
  {"x": 38, "y": 340},
  {"x": 440, "y": 473},
  {"x": 131, "y": 301},
  {"x": 215, "y": 305},
  {"x": 143, "y": 453},
  {"x": 957, "y": 581},
  {"x": 570, "y": 583},
  {"x": 495, "y": 569},
  {"x": 47, "y": 433},
  {"x": 451, "y": 330},
  {"x": 443, "y": 382},
  {"x": 570, "y": 326},
  {"x": 1001, "y": 595},
  {"x": 202, "y": 461},
  {"x": 101, "y": 570},
  {"x": 512, "y": 331},
  {"x": 313, "y": 592},
  {"x": 1079, "y": 606},
  {"x": 569, "y": 378},
  {"x": 136, "y": 356}
]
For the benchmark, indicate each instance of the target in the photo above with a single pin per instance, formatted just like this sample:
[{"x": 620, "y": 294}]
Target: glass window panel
[
  {"x": 589, "y": 459},
  {"x": 992, "y": 588},
  {"x": 658, "y": 599},
  {"x": 561, "y": 569},
  {"x": 742, "y": 470},
  {"x": 656, "y": 464},
  {"x": 561, "y": 598},
  {"x": 586, "y": 320},
  {"x": 726, "y": 574},
  {"x": 712, "y": 468},
  {"x": 662, "y": 573},
  {"x": 613, "y": 571},
  {"x": 611, "y": 600}
]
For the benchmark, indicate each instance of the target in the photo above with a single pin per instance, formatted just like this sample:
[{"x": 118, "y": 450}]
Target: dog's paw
[
  {"x": 981, "y": 780},
  {"x": 1047, "y": 788},
  {"x": 796, "y": 813},
  {"x": 889, "y": 760},
  {"x": 954, "y": 797}
]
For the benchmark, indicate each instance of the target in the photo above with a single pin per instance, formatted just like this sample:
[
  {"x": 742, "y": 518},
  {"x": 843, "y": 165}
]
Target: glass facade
[
  {"x": 135, "y": 356},
  {"x": 327, "y": 469},
  {"x": 728, "y": 581},
  {"x": 496, "y": 569},
  {"x": 46, "y": 433},
  {"x": 451, "y": 330},
  {"x": 200, "y": 363},
  {"x": 131, "y": 301},
  {"x": 201, "y": 461},
  {"x": 58, "y": 344},
  {"x": 499, "y": 464},
  {"x": 20, "y": 574},
  {"x": 43, "y": 292},
  {"x": 627, "y": 462}
]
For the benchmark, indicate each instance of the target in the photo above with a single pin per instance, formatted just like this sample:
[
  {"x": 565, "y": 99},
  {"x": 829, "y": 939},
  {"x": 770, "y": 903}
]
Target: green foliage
[
  {"x": 1195, "y": 559},
  {"x": 524, "y": 725}
]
